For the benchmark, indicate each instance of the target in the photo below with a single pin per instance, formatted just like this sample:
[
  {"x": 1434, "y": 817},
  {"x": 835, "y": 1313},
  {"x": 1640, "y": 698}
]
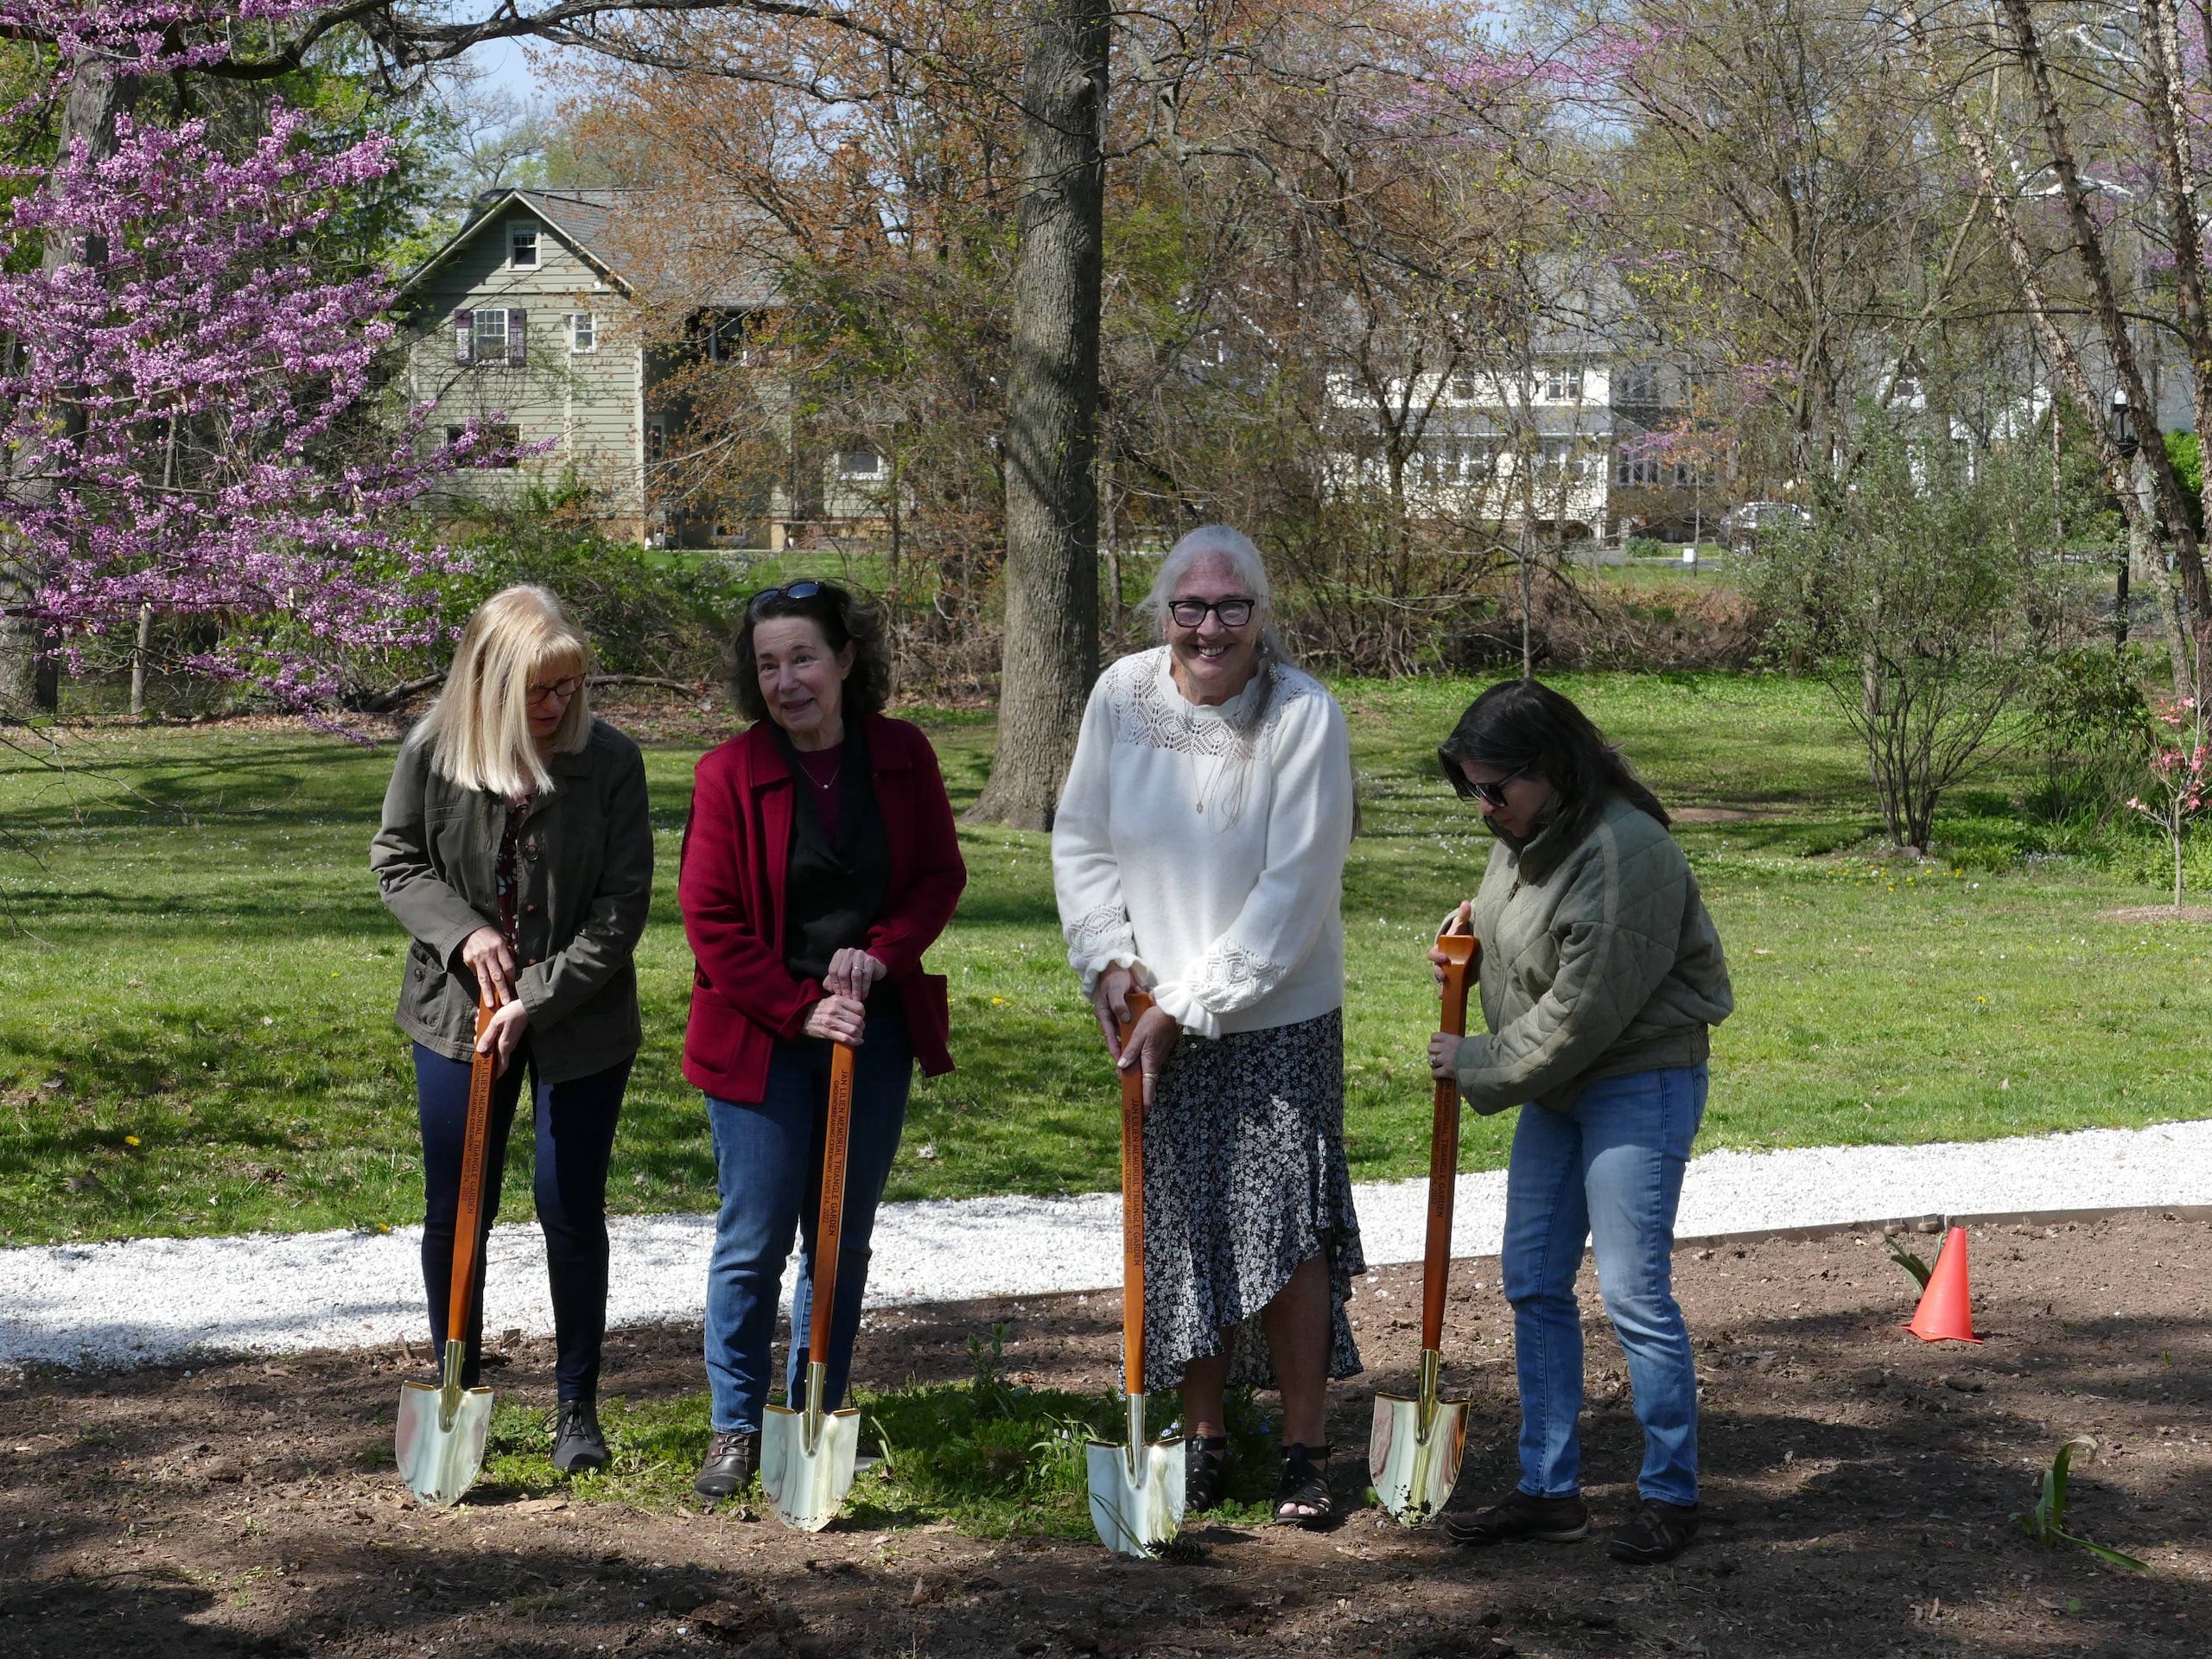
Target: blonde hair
[{"x": 478, "y": 730}]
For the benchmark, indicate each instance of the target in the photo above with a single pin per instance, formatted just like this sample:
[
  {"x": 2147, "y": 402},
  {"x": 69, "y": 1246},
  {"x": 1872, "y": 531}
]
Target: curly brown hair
[{"x": 844, "y": 621}]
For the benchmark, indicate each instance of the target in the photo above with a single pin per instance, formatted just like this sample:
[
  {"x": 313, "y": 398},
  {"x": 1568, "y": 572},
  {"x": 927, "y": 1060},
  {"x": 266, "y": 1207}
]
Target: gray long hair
[{"x": 1225, "y": 545}]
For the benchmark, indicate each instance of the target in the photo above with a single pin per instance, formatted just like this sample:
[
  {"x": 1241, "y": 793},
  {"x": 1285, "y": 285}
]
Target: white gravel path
[{"x": 160, "y": 1300}]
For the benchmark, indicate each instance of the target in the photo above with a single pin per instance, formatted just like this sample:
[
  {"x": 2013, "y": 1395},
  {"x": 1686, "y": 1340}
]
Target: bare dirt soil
[{"x": 1856, "y": 1489}]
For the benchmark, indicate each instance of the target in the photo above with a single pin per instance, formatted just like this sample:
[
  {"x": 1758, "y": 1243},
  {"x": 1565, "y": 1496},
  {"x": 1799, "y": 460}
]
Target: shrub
[{"x": 1926, "y": 594}]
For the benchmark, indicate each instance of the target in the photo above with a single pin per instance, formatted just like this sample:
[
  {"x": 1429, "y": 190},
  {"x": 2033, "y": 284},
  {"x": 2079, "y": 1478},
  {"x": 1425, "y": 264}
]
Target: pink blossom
[{"x": 191, "y": 408}]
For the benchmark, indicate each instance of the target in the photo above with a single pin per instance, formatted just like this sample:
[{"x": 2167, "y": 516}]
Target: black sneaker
[
  {"x": 1547, "y": 1520},
  {"x": 577, "y": 1443},
  {"x": 732, "y": 1456},
  {"x": 1658, "y": 1532}
]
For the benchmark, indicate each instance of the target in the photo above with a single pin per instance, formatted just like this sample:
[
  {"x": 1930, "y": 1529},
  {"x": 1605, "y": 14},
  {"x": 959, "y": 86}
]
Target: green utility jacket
[
  {"x": 1597, "y": 959},
  {"x": 584, "y": 880}
]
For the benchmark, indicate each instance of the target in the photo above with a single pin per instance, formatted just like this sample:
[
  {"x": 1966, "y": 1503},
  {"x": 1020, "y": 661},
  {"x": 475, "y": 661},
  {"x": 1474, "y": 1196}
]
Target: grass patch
[
  {"x": 994, "y": 1457},
  {"x": 195, "y": 1001}
]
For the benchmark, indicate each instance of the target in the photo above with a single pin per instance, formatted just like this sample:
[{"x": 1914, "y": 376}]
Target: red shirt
[{"x": 736, "y": 848}]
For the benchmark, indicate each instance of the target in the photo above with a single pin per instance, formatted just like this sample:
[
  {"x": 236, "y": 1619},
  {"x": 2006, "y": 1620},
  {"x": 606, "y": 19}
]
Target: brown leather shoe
[{"x": 732, "y": 1457}]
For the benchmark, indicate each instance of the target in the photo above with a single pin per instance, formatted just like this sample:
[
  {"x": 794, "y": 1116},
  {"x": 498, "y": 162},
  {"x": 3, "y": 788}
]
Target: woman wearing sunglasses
[
  {"x": 1602, "y": 976},
  {"x": 516, "y": 848},
  {"x": 1199, "y": 850},
  {"x": 821, "y": 861}
]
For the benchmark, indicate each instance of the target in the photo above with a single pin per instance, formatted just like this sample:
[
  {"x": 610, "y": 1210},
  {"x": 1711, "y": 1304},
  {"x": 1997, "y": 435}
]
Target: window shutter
[
  {"x": 464, "y": 336},
  {"x": 518, "y": 337}
]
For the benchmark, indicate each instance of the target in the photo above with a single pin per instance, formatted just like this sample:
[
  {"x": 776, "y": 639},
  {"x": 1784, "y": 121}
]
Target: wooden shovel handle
[
  {"x": 1465, "y": 951},
  {"x": 1132, "y": 1206},
  {"x": 830, "y": 1225},
  {"x": 475, "y": 1148}
]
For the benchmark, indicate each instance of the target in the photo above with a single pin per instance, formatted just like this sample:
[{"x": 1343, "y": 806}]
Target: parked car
[{"x": 1742, "y": 524}]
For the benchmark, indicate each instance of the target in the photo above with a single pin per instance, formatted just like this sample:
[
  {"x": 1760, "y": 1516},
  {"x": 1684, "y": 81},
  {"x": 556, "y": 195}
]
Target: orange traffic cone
[{"x": 1944, "y": 1314}]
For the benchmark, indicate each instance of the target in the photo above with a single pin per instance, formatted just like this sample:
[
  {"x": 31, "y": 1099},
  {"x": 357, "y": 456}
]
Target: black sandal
[
  {"x": 1305, "y": 1486},
  {"x": 1205, "y": 1471}
]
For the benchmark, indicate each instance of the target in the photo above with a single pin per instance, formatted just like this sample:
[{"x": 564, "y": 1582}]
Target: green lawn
[{"x": 196, "y": 977}]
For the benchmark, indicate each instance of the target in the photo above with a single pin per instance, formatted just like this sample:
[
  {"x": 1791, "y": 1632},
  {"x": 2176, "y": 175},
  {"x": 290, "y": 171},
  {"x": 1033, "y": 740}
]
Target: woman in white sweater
[{"x": 1199, "y": 850}]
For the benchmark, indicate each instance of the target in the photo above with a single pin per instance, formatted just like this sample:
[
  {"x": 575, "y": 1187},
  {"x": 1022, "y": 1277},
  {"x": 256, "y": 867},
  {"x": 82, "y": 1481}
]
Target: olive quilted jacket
[{"x": 1597, "y": 959}]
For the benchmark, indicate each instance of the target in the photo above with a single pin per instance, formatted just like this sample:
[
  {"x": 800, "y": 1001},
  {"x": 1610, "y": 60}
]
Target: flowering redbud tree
[
  {"x": 187, "y": 406},
  {"x": 2180, "y": 761}
]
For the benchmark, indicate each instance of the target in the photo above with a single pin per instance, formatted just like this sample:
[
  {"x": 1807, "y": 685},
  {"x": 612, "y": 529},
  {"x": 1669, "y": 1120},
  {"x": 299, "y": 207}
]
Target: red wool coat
[{"x": 736, "y": 848}]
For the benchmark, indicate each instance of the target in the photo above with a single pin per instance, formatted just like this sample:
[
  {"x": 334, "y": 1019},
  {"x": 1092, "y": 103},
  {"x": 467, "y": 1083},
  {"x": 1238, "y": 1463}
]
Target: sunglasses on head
[
  {"x": 789, "y": 590},
  {"x": 1493, "y": 794}
]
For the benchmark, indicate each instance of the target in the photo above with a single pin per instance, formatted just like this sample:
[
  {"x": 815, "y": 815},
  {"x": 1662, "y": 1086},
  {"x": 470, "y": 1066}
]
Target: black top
[{"x": 837, "y": 879}]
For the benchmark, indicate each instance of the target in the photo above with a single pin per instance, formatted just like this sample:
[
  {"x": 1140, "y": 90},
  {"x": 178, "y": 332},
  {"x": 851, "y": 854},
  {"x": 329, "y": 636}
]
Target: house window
[
  {"x": 1479, "y": 459},
  {"x": 657, "y": 439},
  {"x": 1635, "y": 471},
  {"x": 583, "y": 333},
  {"x": 522, "y": 245},
  {"x": 719, "y": 336},
  {"x": 1557, "y": 453},
  {"x": 862, "y": 465},
  {"x": 490, "y": 335},
  {"x": 1563, "y": 385},
  {"x": 1463, "y": 388},
  {"x": 1690, "y": 475},
  {"x": 1636, "y": 383}
]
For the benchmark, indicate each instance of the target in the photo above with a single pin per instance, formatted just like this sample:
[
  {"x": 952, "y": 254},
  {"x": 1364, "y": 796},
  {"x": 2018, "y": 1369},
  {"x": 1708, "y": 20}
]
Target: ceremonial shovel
[
  {"x": 440, "y": 1441},
  {"x": 1414, "y": 1452},
  {"x": 806, "y": 1457},
  {"x": 1136, "y": 1491}
]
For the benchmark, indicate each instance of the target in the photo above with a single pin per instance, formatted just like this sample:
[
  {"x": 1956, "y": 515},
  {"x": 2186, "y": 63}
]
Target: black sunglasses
[
  {"x": 790, "y": 590},
  {"x": 1492, "y": 794}
]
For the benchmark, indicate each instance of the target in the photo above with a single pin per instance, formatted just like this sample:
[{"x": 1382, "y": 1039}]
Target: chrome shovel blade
[
  {"x": 1135, "y": 1511},
  {"x": 1414, "y": 1473},
  {"x": 807, "y": 1487},
  {"x": 438, "y": 1459}
]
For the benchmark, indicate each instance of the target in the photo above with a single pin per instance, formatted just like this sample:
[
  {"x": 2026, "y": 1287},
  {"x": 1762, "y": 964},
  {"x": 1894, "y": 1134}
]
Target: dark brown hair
[
  {"x": 1522, "y": 726},
  {"x": 843, "y": 620}
]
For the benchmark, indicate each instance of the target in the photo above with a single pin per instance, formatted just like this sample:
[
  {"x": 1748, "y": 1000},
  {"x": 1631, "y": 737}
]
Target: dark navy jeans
[
  {"x": 1610, "y": 1172},
  {"x": 575, "y": 1124},
  {"x": 768, "y": 1156}
]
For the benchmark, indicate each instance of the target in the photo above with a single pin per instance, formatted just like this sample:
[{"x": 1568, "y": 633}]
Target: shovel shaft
[
  {"x": 1463, "y": 952},
  {"x": 822, "y": 1316},
  {"x": 468, "y": 1223},
  {"x": 1133, "y": 1210}
]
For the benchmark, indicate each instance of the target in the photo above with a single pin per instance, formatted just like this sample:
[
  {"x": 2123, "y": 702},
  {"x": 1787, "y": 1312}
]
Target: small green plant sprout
[
  {"x": 988, "y": 1361},
  {"x": 1907, "y": 1260},
  {"x": 2046, "y": 1522}
]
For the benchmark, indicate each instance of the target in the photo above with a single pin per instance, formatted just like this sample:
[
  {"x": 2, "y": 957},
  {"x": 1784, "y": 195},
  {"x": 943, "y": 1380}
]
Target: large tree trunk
[
  {"x": 1051, "y": 652},
  {"x": 29, "y": 681}
]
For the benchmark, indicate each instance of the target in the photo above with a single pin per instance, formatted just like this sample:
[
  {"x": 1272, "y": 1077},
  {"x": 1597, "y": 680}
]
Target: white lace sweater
[{"x": 1227, "y": 911}]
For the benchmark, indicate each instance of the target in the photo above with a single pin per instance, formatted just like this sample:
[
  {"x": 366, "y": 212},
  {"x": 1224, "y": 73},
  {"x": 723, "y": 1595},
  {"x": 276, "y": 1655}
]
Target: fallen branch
[
  {"x": 689, "y": 688},
  {"x": 384, "y": 702}
]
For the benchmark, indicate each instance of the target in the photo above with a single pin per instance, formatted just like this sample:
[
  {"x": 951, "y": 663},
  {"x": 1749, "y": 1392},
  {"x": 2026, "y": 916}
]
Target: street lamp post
[{"x": 2124, "y": 440}]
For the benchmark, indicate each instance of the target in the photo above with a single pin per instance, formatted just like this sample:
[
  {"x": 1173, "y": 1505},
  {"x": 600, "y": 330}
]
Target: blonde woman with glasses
[{"x": 517, "y": 851}]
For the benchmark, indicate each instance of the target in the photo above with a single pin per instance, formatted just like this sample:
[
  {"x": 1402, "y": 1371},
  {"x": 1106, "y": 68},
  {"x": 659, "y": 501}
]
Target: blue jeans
[
  {"x": 575, "y": 1125},
  {"x": 1610, "y": 1171},
  {"x": 768, "y": 1160}
]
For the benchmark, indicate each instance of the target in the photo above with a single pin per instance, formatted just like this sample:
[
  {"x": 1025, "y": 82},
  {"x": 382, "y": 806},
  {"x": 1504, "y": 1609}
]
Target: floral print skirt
[{"x": 1245, "y": 1178}]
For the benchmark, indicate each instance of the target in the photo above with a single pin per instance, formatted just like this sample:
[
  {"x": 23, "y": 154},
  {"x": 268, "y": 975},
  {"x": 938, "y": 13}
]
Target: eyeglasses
[
  {"x": 789, "y": 590},
  {"x": 1192, "y": 613},
  {"x": 559, "y": 691},
  {"x": 1493, "y": 794}
]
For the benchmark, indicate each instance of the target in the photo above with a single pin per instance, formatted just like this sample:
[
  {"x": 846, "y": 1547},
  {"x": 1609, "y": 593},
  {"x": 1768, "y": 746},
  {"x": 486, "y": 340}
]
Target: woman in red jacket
[{"x": 820, "y": 863}]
